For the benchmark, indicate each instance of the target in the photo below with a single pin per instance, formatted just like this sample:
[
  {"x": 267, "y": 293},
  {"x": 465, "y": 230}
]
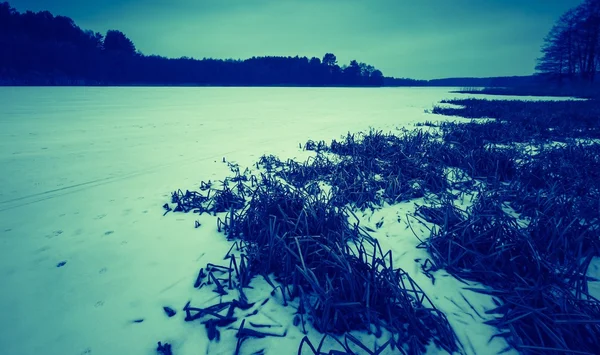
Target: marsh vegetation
[{"x": 528, "y": 237}]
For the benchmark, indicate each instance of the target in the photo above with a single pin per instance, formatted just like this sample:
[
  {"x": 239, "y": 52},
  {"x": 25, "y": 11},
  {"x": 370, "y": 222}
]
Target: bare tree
[{"x": 572, "y": 48}]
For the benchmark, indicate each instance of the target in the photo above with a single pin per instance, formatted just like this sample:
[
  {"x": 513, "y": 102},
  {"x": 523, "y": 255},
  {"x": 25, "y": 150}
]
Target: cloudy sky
[{"x": 421, "y": 39}]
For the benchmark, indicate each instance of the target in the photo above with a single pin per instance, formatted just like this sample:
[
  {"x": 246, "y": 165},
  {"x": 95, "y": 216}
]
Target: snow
[
  {"x": 594, "y": 273},
  {"x": 85, "y": 172},
  {"x": 401, "y": 233},
  {"x": 586, "y": 141}
]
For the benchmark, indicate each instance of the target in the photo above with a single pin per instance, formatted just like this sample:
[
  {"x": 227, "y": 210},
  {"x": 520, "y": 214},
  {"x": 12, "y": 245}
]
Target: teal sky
[{"x": 421, "y": 39}]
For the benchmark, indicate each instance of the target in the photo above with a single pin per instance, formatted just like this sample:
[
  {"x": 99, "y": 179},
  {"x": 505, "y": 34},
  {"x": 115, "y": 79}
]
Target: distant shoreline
[
  {"x": 222, "y": 86},
  {"x": 578, "y": 93}
]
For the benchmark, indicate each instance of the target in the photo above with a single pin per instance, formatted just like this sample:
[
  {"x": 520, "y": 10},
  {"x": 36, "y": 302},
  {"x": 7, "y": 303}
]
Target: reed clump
[{"x": 529, "y": 236}]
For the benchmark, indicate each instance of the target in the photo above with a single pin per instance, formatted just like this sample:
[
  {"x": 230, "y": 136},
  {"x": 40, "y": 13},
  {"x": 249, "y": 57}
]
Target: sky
[{"x": 422, "y": 39}]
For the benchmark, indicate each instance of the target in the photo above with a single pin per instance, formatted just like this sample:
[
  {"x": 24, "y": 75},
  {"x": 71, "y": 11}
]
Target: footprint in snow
[
  {"x": 54, "y": 234},
  {"x": 42, "y": 249}
]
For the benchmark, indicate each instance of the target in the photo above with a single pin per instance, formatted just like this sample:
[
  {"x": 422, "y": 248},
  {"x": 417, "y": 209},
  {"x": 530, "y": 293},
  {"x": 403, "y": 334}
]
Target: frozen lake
[
  {"x": 58, "y": 140},
  {"x": 85, "y": 172}
]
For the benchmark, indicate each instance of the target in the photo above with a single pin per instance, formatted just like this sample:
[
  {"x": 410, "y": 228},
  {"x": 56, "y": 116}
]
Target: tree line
[
  {"x": 38, "y": 48},
  {"x": 571, "y": 50},
  {"x": 42, "y": 49}
]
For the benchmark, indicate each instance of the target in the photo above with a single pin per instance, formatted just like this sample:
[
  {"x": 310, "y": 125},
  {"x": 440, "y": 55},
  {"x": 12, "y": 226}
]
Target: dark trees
[
  {"x": 571, "y": 49},
  {"x": 43, "y": 49},
  {"x": 40, "y": 48},
  {"x": 329, "y": 60},
  {"x": 116, "y": 41}
]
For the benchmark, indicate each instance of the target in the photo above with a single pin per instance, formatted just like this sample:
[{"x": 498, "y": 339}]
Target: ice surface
[{"x": 85, "y": 172}]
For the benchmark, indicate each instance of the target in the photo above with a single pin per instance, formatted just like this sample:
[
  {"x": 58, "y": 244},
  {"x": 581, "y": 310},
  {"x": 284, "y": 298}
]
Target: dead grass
[{"x": 310, "y": 248}]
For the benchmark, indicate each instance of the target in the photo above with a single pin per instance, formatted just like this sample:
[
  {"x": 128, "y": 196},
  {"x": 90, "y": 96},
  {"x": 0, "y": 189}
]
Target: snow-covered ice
[{"x": 85, "y": 249}]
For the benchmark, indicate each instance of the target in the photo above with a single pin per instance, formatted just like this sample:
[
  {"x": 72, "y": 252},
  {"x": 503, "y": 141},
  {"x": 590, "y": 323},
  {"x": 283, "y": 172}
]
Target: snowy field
[{"x": 85, "y": 172}]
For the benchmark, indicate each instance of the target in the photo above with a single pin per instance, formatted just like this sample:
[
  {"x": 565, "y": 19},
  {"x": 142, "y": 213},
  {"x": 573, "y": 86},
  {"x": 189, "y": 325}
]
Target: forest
[
  {"x": 38, "y": 48},
  {"x": 571, "y": 51}
]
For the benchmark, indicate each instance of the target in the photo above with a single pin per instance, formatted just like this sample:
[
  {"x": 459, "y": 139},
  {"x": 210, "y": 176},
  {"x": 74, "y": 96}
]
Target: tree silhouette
[
  {"x": 352, "y": 73},
  {"x": 43, "y": 49},
  {"x": 118, "y": 42},
  {"x": 570, "y": 49},
  {"x": 376, "y": 78},
  {"x": 329, "y": 59}
]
